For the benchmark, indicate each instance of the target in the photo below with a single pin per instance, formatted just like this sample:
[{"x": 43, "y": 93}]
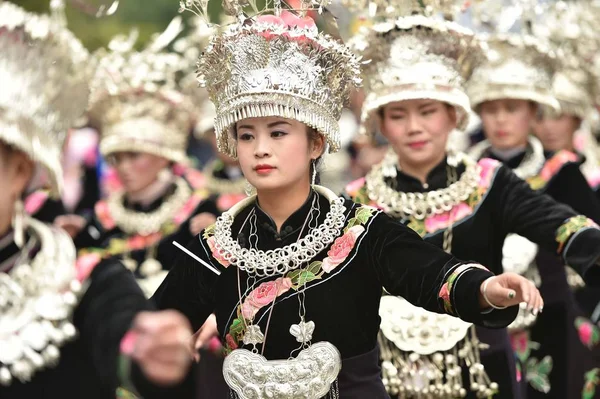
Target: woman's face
[
  {"x": 16, "y": 170},
  {"x": 557, "y": 133},
  {"x": 507, "y": 122},
  {"x": 137, "y": 170},
  {"x": 418, "y": 130},
  {"x": 275, "y": 153}
]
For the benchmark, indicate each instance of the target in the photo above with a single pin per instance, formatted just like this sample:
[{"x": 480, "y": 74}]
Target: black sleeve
[
  {"x": 49, "y": 211},
  {"x": 105, "y": 314},
  {"x": 553, "y": 226},
  {"x": 91, "y": 235},
  {"x": 570, "y": 187},
  {"x": 428, "y": 277},
  {"x": 103, "y": 317},
  {"x": 189, "y": 286}
]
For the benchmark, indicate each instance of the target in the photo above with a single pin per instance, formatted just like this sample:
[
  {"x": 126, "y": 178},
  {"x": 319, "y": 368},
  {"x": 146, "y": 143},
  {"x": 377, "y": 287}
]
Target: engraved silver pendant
[{"x": 308, "y": 376}]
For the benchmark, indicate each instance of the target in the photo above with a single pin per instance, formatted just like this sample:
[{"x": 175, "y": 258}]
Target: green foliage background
[{"x": 148, "y": 16}]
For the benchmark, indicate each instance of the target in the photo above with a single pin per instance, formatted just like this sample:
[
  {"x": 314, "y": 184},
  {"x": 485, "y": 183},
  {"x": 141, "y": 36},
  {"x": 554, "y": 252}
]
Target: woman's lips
[
  {"x": 264, "y": 169},
  {"x": 417, "y": 144}
]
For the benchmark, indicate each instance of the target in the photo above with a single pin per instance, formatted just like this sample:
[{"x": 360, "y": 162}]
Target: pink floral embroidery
[
  {"x": 441, "y": 221},
  {"x": 353, "y": 187},
  {"x": 444, "y": 293},
  {"x": 35, "y": 201},
  {"x": 215, "y": 253},
  {"x": 226, "y": 201},
  {"x": 585, "y": 333},
  {"x": 248, "y": 311},
  {"x": 264, "y": 295},
  {"x": 520, "y": 342},
  {"x": 139, "y": 242},
  {"x": 231, "y": 342},
  {"x": 103, "y": 215},
  {"x": 446, "y": 289},
  {"x": 128, "y": 343},
  {"x": 85, "y": 264},
  {"x": 488, "y": 168},
  {"x": 589, "y": 334},
  {"x": 341, "y": 248},
  {"x": 554, "y": 164}
]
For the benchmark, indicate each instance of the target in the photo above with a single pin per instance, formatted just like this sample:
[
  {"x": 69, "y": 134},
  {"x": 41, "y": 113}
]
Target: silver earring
[
  {"x": 250, "y": 190},
  {"x": 18, "y": 223},
  {"x": 314, "y": 171}
]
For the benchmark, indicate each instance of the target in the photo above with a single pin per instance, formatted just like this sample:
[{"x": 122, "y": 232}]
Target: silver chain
[
  {"x": 281, "y": 260},
  {"x": 420, "y": 205}
]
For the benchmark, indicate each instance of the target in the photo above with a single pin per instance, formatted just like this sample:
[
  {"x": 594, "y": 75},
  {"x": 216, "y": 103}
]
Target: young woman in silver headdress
[
  {"x": 415, "y": 96},
  {"x": 508, "y": 90},
  {"x": 295, "y": 273},
  {"x": 67, "y": 330},
  {"x": 145, "y": 122}
]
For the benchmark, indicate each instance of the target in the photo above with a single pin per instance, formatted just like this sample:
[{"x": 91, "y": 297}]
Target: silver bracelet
[{"x": 483, "y": 291}]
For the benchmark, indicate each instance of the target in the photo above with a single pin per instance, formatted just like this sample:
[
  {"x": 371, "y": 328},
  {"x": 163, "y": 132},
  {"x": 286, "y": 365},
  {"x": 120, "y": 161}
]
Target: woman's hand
[
  {"x": 203, "y": 336},
  {"x": 72, "y": 224},
  {"x": 509, "y": 289},
  {"x": 161, "y": 347},
  {"x": 201, "y": 221}
]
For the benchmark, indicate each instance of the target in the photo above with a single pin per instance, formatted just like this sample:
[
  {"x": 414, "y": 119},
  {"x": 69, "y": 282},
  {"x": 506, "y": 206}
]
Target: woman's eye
[
  {"x": 428, "y": 111},
  {"x": 245, "y": 136},
  {"x": 278, "y": 133},
  {"x": 396, "y": 117}
]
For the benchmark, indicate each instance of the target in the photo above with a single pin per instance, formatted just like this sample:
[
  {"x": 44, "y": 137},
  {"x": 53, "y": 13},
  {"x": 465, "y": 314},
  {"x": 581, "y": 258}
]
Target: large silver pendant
[
  {"x": 413, "y": 329},
  {"x": 309, "y": 376}
]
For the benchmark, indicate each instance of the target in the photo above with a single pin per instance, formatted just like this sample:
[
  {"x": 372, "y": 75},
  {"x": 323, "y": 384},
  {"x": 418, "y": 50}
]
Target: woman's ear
[
  {"x": 452, "y": 115},
  {"x": 23, "y": 170},
  {"x": 318, "y": 146}
]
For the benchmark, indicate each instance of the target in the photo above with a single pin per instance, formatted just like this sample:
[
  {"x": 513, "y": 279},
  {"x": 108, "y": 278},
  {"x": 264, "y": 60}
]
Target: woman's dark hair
[
  {"x": 313, "y": 136},
  {"x": 6, "y": 151}
]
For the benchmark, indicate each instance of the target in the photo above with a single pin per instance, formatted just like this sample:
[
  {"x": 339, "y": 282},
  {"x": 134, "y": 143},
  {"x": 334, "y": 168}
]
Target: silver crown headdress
[
  {"x": 572, "y": 30},
  {"x": 191, "y": 46},
  {"x": 44, "y": 78},
  {"x": 416, "y": 57},
  {"x": 275, "y": 65},
  {"x": 137, "y": 100},
  {"x": 518, "y": 65}
]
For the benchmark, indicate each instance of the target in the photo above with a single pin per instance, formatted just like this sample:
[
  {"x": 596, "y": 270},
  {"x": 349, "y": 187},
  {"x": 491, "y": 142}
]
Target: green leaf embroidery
[
  {"x": 361, "y": 196},
  {"x": 591, "y": 380},
  {"x": 351, "y": 223},
  {"x": 418, "y": 226},
  {"x": 237, "y": 327},
  {"x": 294, "y": 275},
  {"x": 537, "y": 373},
  {"x": 209, "y": 231},
  {"x": 315, "y": 267},
  {"x": 363, "y": 214},
  {"x": 306, "y": 277}
]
